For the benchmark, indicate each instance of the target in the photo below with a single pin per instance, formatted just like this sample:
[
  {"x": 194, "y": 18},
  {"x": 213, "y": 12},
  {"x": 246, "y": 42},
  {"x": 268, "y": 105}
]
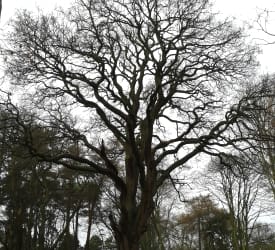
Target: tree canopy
[{"x": 131, "y": 90}]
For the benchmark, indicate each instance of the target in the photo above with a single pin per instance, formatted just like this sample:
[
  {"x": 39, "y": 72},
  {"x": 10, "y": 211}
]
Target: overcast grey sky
[{"x": 242, "y": 10}]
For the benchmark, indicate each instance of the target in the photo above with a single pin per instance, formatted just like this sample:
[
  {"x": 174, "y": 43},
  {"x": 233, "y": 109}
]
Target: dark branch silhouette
[{"x": 138, "y": 85}]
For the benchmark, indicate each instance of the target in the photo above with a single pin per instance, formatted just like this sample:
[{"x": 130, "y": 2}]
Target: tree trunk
[
  {"x": 132, "y": 225},
  {"x": 127, "y": 244},
  {"x": 134, "y": 212},
  {"x": 126, "y": 233},
  {"x": 91, "y": 205},
  {"x": 76, "y": 229},
  {"x": 42, "y": 227}
]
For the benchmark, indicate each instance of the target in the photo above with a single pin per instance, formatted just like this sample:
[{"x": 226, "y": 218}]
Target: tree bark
[
  {"x": 90, "y": 215},
  {"x": 126, "y": 242}
]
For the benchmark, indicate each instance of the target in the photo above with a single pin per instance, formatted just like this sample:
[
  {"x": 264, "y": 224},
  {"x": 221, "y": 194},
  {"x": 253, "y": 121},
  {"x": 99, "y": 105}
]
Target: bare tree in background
[
  {"x": 233, "y": 181},
  {"x": 262, "y": 126},
  {"x": 138, "y": 85},
  {"x": 265, "y": 26}
]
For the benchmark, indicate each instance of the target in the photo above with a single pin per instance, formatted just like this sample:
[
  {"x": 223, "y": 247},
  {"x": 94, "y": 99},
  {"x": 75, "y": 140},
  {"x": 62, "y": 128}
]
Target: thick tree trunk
[
  {"x": 127, "y": 244},
  {"x": 135, "y": 210},
  {"x": 127, "y": 238},
  {"x": 128, "y": 232}
]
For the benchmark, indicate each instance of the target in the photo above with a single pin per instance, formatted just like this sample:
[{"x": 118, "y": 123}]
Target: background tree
[
  {"x": 95, "y": 243},
  {"x": 263, "y": 237},
  {"x": 205, "y": 226},
  {"x": 265, "y": 26},
  {"x": 40, "y": 203},
  {"x": 261, "y": 125},
  {"x": 233, "y": 181},
  {"x": 162, "y": 231},
  {"x": 135, "y": 84}
]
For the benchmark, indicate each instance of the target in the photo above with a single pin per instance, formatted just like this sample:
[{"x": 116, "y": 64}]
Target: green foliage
[
  {"x": 95, "y": 243},
  {"x": 40, "y": 201},
  {"x": 205, "y": 225},
  {"x": 68, "y": 242}
]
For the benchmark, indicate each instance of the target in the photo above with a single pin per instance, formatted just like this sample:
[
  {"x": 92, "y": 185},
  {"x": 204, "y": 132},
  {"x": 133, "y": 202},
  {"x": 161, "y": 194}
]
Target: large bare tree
[{"x": 139, "y": 86}]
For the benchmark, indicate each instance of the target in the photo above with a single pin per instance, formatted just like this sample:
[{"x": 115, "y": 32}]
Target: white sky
[
  {"x": 247, "y": 11},
  {"x": 242, "y": 10}
]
